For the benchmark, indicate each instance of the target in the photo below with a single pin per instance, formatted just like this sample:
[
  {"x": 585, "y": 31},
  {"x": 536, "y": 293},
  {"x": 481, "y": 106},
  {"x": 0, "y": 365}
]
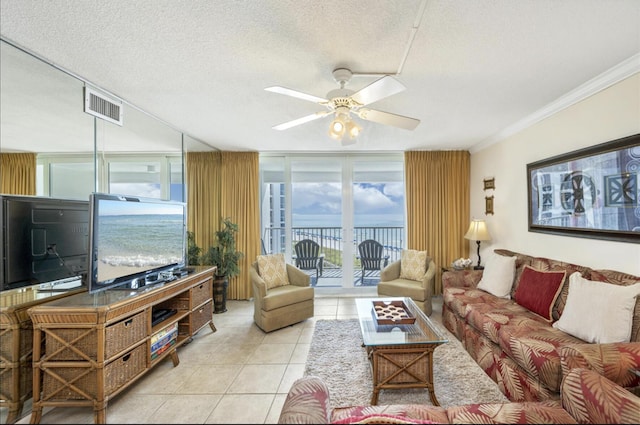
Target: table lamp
[{"x": 478, "y": 232}]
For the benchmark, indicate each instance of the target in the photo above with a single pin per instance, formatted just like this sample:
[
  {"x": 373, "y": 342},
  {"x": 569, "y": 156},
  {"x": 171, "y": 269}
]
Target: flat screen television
[
  {"x": 43, "y": 241},
  {"x": 134, "y": 241}
]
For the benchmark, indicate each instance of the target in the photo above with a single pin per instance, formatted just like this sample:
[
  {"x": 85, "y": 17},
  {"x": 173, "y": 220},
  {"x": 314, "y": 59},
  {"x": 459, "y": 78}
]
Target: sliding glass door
[{"x": 338, "y": 201}]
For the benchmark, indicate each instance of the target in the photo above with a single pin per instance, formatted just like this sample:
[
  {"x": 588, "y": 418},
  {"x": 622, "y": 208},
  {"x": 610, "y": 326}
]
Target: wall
[{"x": 607, "y": 115}]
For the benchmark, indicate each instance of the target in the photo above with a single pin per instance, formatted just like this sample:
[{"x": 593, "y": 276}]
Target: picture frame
[
  {"x": 591, "y": 193},
  {"x": 489, "y": 183},
  {"x": 488, "y": 205}
]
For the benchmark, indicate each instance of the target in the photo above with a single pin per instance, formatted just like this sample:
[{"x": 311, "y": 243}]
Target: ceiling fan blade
[
  {"x": 295, "y": 93},
  {"x": 379, "y": 89},
  {"x": 388, "y": 118},
  {"x": 302, "y": 120}
]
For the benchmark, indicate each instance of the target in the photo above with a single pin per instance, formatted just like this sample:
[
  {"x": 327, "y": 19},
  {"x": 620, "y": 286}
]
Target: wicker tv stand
[{"x": 87, "y": 348}]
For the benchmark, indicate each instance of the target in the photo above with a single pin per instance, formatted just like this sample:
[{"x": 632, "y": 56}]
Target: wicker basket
[
  {"x": 80, "y": 382},
  {"x": 118, "y": 337},
  {"x": 201, "y": 293},
  {"x": 21, "y": 371},
  {"x": 201, "y": 317},
  {"x": 25, "y": 335},
  {"x": 125, "y": 333}
]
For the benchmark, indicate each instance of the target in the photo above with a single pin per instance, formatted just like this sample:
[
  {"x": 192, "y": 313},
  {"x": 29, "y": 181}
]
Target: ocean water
[{"x": 141, "y": 240}]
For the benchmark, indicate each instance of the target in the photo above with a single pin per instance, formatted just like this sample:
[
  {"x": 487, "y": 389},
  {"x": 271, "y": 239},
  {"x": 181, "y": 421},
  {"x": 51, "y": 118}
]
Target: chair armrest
[
  {"x": 259, "y": 285},
  {"x": 615, "y": 361},
  {"x": 429, "y": 279},
  {"x": 591, "y": 398},
  {"x": 461, "y": 279},
  {"x": 391, "y": 272},
  {"x": 297, "y": 277},
  {"x": 307, "y": 402}
]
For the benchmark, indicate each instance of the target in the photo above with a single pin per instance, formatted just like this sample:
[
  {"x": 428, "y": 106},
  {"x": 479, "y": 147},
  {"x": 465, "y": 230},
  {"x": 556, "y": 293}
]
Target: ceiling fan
[{"x": 343, "y": 102}]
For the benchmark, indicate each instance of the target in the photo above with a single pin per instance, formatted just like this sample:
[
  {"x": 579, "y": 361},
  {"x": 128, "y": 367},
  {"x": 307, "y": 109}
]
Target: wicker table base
[
  {"x": 397, "y": 367},
  {"x": 401, "y": 354}
]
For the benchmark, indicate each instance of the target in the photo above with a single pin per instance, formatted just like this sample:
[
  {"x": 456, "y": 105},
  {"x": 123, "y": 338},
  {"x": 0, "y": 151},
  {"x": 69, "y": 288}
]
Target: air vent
[{"x": 101, "y": 106}]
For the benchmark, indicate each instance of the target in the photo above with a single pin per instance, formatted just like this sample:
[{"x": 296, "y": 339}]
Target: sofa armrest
[
  {"x": 615, "y": 361},
  {"x": 307, "y": 402},
  {"x": 297, "y": 277},
  {"x": 461, "y": 279},
  {"x": 391, "y": 272},
  {"x": 590, "y": 398}
]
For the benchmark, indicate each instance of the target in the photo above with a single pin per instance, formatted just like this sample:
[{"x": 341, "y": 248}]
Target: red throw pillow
[{"x": 538, "y": 290}]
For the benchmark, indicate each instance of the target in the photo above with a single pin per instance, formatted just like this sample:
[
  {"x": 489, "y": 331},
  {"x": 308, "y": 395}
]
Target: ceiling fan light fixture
[
  {"x": 337, "y": 128},
  {"x": 353, "y": 129}
]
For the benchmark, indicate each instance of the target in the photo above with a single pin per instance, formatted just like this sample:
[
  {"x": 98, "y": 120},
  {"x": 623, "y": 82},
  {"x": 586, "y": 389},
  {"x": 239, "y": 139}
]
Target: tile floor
[{"x": 238, "y": 374}]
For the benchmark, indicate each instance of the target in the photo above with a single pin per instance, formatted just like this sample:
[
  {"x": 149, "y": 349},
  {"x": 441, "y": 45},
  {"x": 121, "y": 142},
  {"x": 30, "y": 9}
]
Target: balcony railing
[{"x": 332, "y": 244}]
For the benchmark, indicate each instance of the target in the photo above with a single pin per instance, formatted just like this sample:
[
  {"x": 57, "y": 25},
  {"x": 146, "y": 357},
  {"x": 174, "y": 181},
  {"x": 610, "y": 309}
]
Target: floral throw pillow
[
  {"x": 413, "y": 264},
  {"x": 273, "y": 270}
]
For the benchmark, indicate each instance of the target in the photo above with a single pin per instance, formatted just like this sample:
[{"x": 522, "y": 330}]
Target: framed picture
[
  {"x": 591, "y": 192},
  {"x": 489, "y": 183},
  {"x": 488, "y": 205}
]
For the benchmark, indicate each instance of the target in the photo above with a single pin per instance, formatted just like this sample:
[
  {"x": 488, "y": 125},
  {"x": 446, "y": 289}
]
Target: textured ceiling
[{"x": 472, "y": 68}]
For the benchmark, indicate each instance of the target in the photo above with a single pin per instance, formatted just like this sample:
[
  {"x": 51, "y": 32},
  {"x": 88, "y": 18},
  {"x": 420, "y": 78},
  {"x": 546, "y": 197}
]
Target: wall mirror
[{"x": 77, "y": 153}]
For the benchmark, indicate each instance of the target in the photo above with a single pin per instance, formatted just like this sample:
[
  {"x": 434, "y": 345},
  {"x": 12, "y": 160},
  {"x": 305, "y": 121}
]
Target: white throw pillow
[
  {"x": 273, "y": 270},
  {"x": 498, "y": 274},
  {"x": 598, "y": 312}
]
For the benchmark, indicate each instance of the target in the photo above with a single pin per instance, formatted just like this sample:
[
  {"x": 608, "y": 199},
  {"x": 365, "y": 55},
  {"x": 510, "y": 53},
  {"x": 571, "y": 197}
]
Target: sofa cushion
[
  {"x": 488, "y": 317},
  {"x": 403, "y": 288},
  {"x": 381, "y": 418},
  {"x": 457, "y": 299},
  {"x": 591, "y": 398},
  {"x": 273, "y": 270},
  {"x": 534, "y": 348},
  {"x": 413, "y": 264},
  {"x": 409, "y": 412},
  {"x": 598, "y": 312},
  {"x": 544, "y": 412},
  {"x": 538, "y": 290},
  {"x": 286, "y": 295},
  {"x": 497, "y": 278}
]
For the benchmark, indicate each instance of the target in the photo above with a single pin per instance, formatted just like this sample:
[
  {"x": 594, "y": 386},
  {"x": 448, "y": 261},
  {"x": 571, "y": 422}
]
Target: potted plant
[
  {"x": 225, "y": 257},
  {"x": 193, "y": 250}
]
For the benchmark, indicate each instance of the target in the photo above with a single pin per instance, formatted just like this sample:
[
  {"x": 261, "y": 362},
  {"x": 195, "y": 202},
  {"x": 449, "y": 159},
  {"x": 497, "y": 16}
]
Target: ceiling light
[
  {"x": 353, "y": 129},
  {"x": 337, "y": 128},
  {"x": 343, "y": 124}
]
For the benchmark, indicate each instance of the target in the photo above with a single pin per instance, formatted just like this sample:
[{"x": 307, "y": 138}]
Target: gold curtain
[
  {"x": 239, "y": 199},
  {"x": 220, "y": 185},
  {"x": 203, "y": 196},
  {"x": 18, "y": 173},
  {"x": 437, "y": 188}
]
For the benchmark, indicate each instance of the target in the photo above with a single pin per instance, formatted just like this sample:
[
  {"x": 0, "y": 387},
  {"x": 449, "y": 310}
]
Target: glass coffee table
[{"x": 400, "y": 352}]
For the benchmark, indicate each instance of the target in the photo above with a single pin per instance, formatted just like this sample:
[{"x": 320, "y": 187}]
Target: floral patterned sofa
[
  {"x": 587, "y": 397},
  {"x": 527, "y": 353}
]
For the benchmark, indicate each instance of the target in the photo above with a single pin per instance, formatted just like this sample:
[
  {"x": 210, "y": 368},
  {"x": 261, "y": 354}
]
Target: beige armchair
[
  {"x": 420, "y": 291},
  {"x": 284, "y": 305}
]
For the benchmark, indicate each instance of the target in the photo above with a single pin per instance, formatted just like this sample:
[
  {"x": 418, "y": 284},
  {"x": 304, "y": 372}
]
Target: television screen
[
  {"x": 44, "y": 240},
  {"x": 133, "y": 240}
]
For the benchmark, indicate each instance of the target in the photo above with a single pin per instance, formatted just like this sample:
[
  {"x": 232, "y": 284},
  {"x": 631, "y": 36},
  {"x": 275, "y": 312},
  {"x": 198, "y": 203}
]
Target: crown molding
[{"x": 608, "y": 78}]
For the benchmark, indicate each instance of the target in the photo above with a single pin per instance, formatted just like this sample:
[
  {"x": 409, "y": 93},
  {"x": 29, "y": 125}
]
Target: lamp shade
[{"x": 478, "y": 231}]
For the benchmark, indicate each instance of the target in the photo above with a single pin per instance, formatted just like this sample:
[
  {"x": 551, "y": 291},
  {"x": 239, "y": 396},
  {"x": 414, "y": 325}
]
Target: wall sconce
[{"x": 478, "y": 232}]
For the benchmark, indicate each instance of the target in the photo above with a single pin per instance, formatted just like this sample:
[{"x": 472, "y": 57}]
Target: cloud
[{"x": 326, "y": 198}]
